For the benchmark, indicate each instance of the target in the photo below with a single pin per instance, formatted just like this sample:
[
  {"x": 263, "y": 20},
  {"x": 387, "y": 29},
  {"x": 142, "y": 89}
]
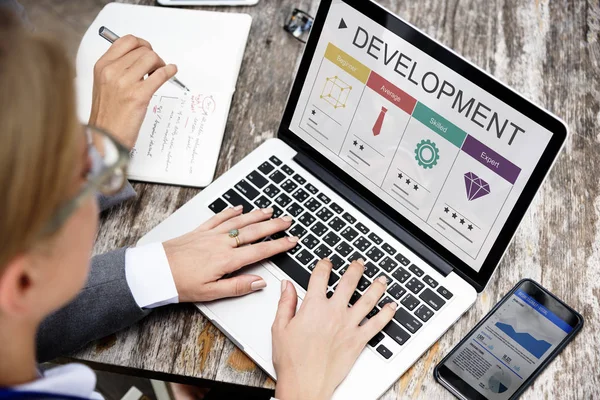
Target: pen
[{"x": 111, "y": 37}]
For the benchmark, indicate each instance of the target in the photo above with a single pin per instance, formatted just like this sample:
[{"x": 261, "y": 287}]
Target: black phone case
[{"x": 542, "y": 366}]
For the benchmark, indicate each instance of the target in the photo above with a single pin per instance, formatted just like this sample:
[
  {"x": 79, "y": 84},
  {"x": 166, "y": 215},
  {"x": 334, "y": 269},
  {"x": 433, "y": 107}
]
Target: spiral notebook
[{"x": 180, "y": 139}]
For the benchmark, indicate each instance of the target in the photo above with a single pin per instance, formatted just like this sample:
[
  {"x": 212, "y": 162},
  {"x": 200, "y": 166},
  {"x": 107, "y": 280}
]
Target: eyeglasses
[
  {"x": 299, "y": 24},
  {"x": 107, "y": 174}
]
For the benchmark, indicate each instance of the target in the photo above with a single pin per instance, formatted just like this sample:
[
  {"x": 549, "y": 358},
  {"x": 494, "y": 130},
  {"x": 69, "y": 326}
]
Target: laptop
[{"x": 395, "y": 149}]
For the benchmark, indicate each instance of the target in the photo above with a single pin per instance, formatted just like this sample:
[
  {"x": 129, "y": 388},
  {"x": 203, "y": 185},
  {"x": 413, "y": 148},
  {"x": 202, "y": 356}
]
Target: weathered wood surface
[{"x": 549, "y": 51}]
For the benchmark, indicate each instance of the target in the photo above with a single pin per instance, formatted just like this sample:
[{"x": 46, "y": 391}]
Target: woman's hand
[
  {"x": 121, "y": 94},
  {"x": 314, "y": 349},
  {"x": 199, "y": 259}
]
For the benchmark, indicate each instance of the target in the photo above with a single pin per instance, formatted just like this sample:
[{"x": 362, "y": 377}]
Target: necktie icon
[{"x": 379, "y": 122}]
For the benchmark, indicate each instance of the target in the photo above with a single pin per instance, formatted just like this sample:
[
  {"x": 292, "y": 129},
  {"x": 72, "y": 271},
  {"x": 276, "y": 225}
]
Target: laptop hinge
[{"x": 374, "y": 214}]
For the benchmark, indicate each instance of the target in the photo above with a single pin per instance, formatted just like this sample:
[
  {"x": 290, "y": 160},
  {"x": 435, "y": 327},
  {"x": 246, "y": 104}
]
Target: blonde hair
[{"x": 38, "y": 131}]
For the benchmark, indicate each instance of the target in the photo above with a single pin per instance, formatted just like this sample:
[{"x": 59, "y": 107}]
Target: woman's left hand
[{"x": 199, "y": 259}]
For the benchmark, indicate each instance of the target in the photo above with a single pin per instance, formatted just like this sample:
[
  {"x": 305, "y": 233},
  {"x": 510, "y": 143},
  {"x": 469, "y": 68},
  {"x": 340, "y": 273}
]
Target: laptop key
[
  {"x": 337, "y": 208},
  {"x": 343, "y": 270},
  {"x": 262, "y": 202},
  {"x": 444, "y": 292},
  {"x": 430, "y": 281},
  {"x": 257, "y": 179},
  {"x": 407, "y": 320},
  {"x": 298, "y": 178},
  {"x": 410, "y": 302},
  {"x": 277, "y": 176},
  {"x": 323, "y": 198},
  {"x": 362, "y": 228},
  {"x": 236, "y": 200},
  {"x": 313, "y": 264},
  {"x": 424, "y": 313},
  {"x": 310, "y": 241},
  {"x": 416, "y": 270},
  {"x": 399, "y": 335},
  {"x": 266, "y": 167},
  {"x": 344, "y": 249},
  {"x": 388, "y": 264},
  {"x": 217, "y": 206},
  {"x": 283, "y": 200},
  {"x": 371, "y": 269},
  {"x": 331, "y": 239},
  {"x": 306, "y": 219},
  {"x": 401, "y": 275},
  {"x": 362, "y": 244},
  {"x": 349, "y": 218},
  {"x": 336, "y": 224},
  {"x": 415, "y": 285},
  {"x": 322, "y": 251},
  {"x": 384, "y": 301},
  {"x": 336, "y": 262},
  {"x": 300, "y": 195},
  {"x": 396, "y": 291},
  {"x": 376, "y": 239},
  {"x": 298, "y": 230},
  {"x": 289, "y": 186},
  {"x": 388, "y": 249},
  {"x": 294, "y": 209},
  {"x": 354, "y": 298},
  {"x": 376, "y": 339},
  {"x": 305, "y": 257},
  {"x": 295, "y": 249},
  {"x": 355, "y": 256},
  {"x": 277, "y": 212},
  {"x": 324, "y": 214},
  {"x": 271, "y": 190},
  {"x": 363, "y": 284},
  {"x": 384, "y": 351},
  {"x": 375, "y": 254},
  {"x": 275, "y": 160},
  {"x": 313, "y": 205},
  {"x": 246, "y": 189},
  {"x": 319, "y": 229},
  {"x": 387, "y": 278},
  {"x": 333, "y": 278},
  {"x": 311, "y": 188},
  {"x": 329, "y": 294},
  {"x": 349, "y": 234},
  {"x": 432, "y": 299},
  {"x": 372, "y": 313},
  {"x": 287, "y": 169},
  {"x": 288, "y": 265},
  {"x": 403, "y": 260}
]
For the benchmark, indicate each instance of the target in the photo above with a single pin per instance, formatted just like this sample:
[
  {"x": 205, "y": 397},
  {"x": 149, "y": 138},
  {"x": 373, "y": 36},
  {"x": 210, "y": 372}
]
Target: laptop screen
[{"x": 443, "y": 152}]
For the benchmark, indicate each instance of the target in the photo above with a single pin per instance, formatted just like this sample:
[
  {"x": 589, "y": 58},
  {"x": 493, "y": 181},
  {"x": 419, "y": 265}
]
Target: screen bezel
[
  {"x": 391, "y": 22},
  {"x": 455, "y": 384}
]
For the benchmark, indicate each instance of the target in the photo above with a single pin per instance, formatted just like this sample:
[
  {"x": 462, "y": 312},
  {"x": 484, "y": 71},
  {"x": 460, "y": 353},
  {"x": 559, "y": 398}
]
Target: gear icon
[{"x": 427, "y": 154}]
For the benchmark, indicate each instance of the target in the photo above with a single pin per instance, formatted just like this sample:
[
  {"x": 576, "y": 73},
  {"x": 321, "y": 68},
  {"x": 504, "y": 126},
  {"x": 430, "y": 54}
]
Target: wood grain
[{"x": 549, "y": 51}]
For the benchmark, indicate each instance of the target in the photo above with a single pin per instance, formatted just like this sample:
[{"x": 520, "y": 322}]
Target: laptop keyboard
[{"x": 326, "y": 229}]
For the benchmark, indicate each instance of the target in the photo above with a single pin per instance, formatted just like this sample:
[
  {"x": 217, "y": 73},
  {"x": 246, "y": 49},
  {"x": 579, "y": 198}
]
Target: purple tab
[{"x": 491, "y": 159}]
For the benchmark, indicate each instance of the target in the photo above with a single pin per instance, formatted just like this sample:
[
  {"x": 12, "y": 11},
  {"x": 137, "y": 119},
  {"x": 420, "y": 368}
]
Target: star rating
[
  {"x": 408, "y": 181},
  {"x": 400, "y": 176},
  {"x": 313, "y": 112},
  {"x": 446, "y": 210},
  {"x": 361, "y": 147},
  {"x": 416, "y": 187},
  {"x": 355, "y": 143},
  {"x": 462, "y": 221},
  {"x": 470, "y": 227},
  {"x": 454, "y": 215}
]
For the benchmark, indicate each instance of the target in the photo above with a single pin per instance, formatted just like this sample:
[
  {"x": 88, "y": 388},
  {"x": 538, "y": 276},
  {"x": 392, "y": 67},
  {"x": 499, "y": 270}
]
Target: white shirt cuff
[{"x": 149, "y": 276}]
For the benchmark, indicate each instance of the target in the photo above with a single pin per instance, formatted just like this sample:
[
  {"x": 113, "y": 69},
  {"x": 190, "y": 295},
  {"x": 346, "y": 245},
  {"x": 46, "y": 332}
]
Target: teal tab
[{"x": 439, "y": 124}]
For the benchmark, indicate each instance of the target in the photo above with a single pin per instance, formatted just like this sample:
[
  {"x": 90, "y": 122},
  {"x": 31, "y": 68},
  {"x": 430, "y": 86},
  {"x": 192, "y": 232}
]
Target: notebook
[{"x": 181, "y": 136}]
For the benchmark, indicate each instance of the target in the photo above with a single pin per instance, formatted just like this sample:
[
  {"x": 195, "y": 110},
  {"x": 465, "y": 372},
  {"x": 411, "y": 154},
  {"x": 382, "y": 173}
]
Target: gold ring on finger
[{"x": 234, "y": 233}]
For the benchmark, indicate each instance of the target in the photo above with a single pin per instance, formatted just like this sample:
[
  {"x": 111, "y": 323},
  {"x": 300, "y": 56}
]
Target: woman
[{"x": 50, "y": 170}]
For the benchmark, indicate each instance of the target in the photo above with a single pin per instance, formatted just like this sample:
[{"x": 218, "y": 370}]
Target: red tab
[{"x": 391, "y": 92}]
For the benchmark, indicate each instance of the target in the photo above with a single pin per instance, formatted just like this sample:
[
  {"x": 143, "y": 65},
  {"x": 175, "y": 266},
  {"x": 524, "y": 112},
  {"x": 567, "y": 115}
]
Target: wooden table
[{"x": 550, "y": 51}]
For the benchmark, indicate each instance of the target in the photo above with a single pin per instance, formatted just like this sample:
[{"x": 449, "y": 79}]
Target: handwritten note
[{"x": 174, "y": 133}]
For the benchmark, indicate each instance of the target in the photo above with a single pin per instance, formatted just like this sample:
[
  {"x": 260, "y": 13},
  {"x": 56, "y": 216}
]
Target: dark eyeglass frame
[
  {"x": 295, "y": 29},
  {"x": 106, "y": 173}
]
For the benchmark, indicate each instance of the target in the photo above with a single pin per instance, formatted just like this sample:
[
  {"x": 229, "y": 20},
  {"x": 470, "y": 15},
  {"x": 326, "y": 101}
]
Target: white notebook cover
[{"x": 181, "y": 136}]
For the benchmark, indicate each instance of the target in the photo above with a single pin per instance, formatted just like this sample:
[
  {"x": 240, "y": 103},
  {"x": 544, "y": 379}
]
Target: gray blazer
[{"x": 104, "y": 306}]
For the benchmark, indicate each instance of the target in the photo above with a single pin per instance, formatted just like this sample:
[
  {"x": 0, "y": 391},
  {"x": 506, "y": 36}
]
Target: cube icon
[{"x": 335, "y": 92}]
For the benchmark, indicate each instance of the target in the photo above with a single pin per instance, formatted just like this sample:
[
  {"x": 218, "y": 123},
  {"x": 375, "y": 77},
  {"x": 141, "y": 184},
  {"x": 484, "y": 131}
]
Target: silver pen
[{"x": 112, "y": 37}]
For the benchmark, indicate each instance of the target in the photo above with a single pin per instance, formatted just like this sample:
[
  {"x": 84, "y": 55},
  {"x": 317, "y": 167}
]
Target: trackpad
[{"x": 248, "y": 319}]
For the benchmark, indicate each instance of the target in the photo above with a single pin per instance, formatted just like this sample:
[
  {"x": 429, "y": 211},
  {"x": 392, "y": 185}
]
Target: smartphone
[
  {"x": 511, "y": 346},
  {"x": 207, "y": 2}
]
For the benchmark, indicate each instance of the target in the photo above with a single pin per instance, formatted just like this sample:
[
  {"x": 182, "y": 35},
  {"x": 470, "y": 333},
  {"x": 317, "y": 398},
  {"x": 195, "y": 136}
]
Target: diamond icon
[{"x": 476, "y": 187}]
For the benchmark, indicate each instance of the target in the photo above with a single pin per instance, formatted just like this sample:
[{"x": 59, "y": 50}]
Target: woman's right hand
[{"x": 315, "y": 348}]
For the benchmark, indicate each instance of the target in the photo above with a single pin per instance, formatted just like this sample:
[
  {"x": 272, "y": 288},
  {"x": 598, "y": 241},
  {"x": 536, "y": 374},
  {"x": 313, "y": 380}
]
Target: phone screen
[{"x": 507, "y": 348}]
